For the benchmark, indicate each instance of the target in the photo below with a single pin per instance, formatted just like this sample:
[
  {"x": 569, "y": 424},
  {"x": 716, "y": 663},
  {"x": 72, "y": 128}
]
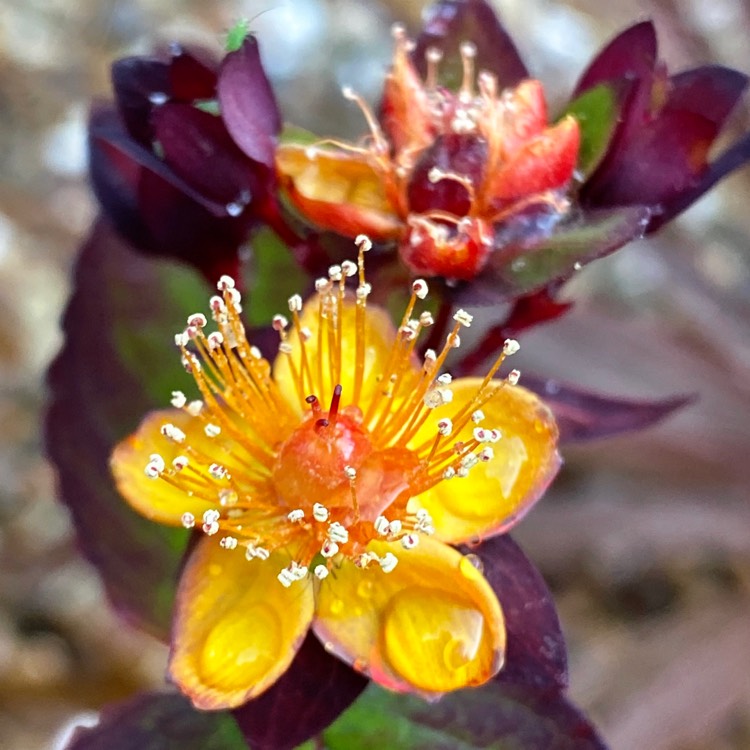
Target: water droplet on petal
[{"x": 234, "y": 208}]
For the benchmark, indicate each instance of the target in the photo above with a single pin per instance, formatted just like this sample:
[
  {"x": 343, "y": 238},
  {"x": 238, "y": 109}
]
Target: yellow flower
[{"x": 329, "y": 490}]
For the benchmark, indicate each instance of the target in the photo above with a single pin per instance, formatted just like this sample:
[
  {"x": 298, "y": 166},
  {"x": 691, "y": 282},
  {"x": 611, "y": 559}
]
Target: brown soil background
[{"x": 645, "y": 539}]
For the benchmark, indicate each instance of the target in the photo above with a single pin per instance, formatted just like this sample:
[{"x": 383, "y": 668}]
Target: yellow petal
[
  {"x": 155, "y": 498},
  {"x": 496, "y": 494},
  {"x": 337, "y": 190},
  {"x": 431, "y": 625},
  {"x": 236, "y": 628},
  {"x": 379, "y": 339}
]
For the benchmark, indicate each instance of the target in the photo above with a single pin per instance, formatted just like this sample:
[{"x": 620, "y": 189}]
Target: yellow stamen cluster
[{"x": 325, "y": 483}]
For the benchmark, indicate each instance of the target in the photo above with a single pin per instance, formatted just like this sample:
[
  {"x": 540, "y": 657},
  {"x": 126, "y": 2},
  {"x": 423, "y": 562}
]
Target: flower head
[{"x": 328, "y": 489}]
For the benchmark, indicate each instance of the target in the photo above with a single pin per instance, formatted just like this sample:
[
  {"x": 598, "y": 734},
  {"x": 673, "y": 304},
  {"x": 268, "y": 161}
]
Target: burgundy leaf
[
  {"x": 158, "y": 721},
  {"x": 631, "y": 54},
  {"x": 117, "y": 363},
  {"x": 711, "y": 91},
  {"x": 136, "y": 80},
  {"x": 248, "y": 105},
  {"x": 448, "y": 23},
  {"x": 192, "y": 74},
  {"x": 536, "y": 654},
  {"x": 496, "y": 716},
  {"x": 199, "y": 150},
  {"x": 583, "y": 415},
  {"x": 315, "y": 689}
]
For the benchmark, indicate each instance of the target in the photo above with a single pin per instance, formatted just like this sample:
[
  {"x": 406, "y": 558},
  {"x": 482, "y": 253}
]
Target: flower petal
[
  {"x": 337, "y": 191},
  {"x": 495, "y": 494},
  {"x": 380, "y": 337},
  {"x": 154, "y": 498},
  {"x": 236, "y": 628},
  {"x": 431, "y": 625}
]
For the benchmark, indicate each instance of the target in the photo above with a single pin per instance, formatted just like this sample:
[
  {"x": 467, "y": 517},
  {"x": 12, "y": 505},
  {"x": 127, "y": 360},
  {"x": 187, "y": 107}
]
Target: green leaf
[
  {"x": 273, "y": 277},
  {"x": 597, "y": 111},
  {"x": 118, "y": 362},
  {"x": 493, "y": 717},
  {"x": 237, "y": 35}
]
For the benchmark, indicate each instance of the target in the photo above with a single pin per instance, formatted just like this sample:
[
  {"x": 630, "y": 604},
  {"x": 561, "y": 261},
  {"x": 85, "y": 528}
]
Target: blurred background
[{"x": 645, "y": 539}]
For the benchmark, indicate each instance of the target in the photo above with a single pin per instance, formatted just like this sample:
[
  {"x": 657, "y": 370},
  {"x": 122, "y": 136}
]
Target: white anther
[
  {"x": 260, "y": 552},
  {"x": 215, "y": 340},
  {"x": 423, "y": 515},
  {"x": 469, "y": 461},
  {"x": 463, "y": 318},
  {"x": 320, "y": 512},
  {"x": 329, "y": 548},
  {"x": 334, "y": 273},
  {"x": 511, "y": 346},
  {"x": 481, "y": 435},
  {"x": 211, "y": 515},
  {"x": 321, "y": 572},
  {"x": 437, "y": 397},
  {"x": 455, "y": 341},
  {"x": 388, "y": 562},
  {"x": 212, "y": 430},
  {"x": 486, "y": 454},
  {"x": 175, "y": 434},
  {"x": 349, "y": 268},
  {"x": 426, "y": 319},
  {"x": 350, "y": 472},
  {"x": 210, "y": 528},
  {"x": 181, "y": 339},
  {"x": 394, "y": 527},
  {"x": 407, "y": 333},
  {"x": 194, "y": 408},
  {"x": 286, "y": 579},
  {"x": 445, "y": 379},
  {"x": 363, "y": 291},
  {"x": 449, "y": 473},
  {"x": 513, "y": 376},
  {"x": 477, "y": 416},
  {"x": 180, "y": 462},
  {"x": 445, "y": 426},
  {"x": 197, "y": 320},
  {"x": 462, "y": 472},
  {"x": 446, "y": 394},
  {"x": 363, "y": 242},
  {"x": 495, "y": 435},
  {"x": 381, "y": 525},
  {"x": 430, "y": 356},
  {"x": 178, "y": 399},
  {"x": 155, "y": 465},
  {"x": 364, "y": 560},
  {"x": 228, "y": 497},
  {"x": 187, "y": 520},
  {"x": 235, "y": 298},
  {"x": 337, "y": 533},
  {"x": 295, "y": 303},
  {"x": 305, "y": 333},
  {"x": 217, "y": 305},
  {"x": 298, "y": 571},
  {"x": 410, "y": 541},
  {"x": 420, "y": 288},
  {"x": 322, "y": 285},
  {"x": 255, "y": 353},
  {"x": 295, "y": 516},
  {"x": 279, "y": 323},
  {"x": 228, "y": 542},
  {"x": 217, "y": 471},
  {"x": 285, "y": 347},
  {"x": 224, "y": 283}
]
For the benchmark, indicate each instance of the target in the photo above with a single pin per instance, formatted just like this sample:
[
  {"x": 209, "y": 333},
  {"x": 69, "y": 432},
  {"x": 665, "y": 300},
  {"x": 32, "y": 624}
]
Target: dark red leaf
[
  {"x": 631, "y": 54},
  {"x": 158, "y": 721},
  {"x": 536, "y": 655},
  {"x": 199, "y": 150},
  {"x": 192, "y": 74},
  {"x": 117, "y": 363},
  {"x": 316, "y": 688},
  {"x": 248, "y": 105},
  {"x": 583, "y": 415},
  {"x": 711, "y": 91},
  {"x": 448, "y": 23},
  {"x": 136, "y": 80}
]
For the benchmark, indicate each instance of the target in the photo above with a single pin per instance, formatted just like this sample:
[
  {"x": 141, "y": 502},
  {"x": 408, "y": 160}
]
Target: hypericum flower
[
  {"x": 442, "y": 172},
  {"x": 328, "y": 490}
]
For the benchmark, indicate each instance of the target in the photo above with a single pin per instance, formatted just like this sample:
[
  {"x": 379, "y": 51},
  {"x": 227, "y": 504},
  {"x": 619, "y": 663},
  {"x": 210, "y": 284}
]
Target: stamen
[{"x": 468, "y": 55}]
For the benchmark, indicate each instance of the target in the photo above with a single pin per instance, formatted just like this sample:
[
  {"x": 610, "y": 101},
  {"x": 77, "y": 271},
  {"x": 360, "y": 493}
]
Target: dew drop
[
  {"x": 157, "y": 98},
  {"x": 234, "y": 208}
]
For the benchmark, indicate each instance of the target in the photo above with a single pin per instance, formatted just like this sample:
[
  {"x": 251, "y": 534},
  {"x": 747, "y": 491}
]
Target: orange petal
[
  {"x": 499, "y": 492},
  {"x": 431, "y": 625},
  {"x": 543, "y": 163},
  {"x": 236, "y": 628},
  {"x": 337, "y": 190},
  {"x": 380, "y": 337}
]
